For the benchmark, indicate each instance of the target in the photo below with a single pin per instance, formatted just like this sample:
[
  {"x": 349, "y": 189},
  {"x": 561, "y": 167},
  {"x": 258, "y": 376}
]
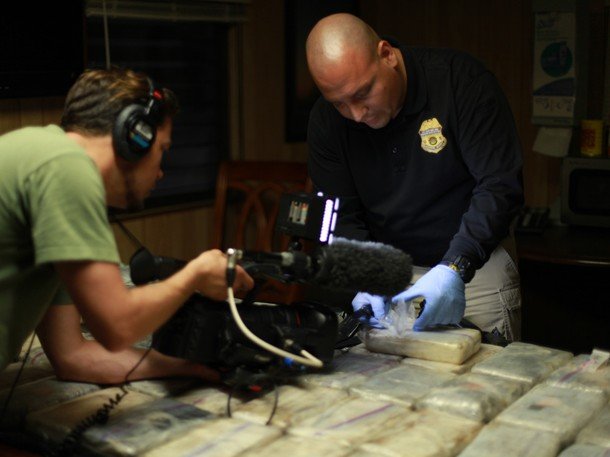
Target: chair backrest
[{"x": 246, "y": 210}]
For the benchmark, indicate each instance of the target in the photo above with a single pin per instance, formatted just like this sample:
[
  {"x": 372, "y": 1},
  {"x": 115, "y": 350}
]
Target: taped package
[
  {"x": 403, "y": 384},
  {"x": 55, "y": 423},
  {"x": 28, "y": 374},
  {"x": 524, "y": 362},
  {"x": 485, "y": 351},
  {"x": 425, "y": 434},
  {"x": 352, "y": 422},
  {"x": 212, "y": 399},
  {"x": 554, "y": 409},
  {"x": 220, "y": 437},
  {"x": 598, "y": 430},
  {"x": 510, "y": 441},
  {"x": 163, "y": 387},
  {"x": 442, "y": 345},
  {"x": 474, "y": 396},
  {"x": 297, "y": 446},
  {"x": 579, "y": 373},
  {"x": 585, "y": 450},
  {"x": 294, "y": 405},
  {"x": 362, "y": 350},
  {"x": 348, "y": 370},
  {"x": 142, "y": 427},
  {"x": 38, "y": 395}
]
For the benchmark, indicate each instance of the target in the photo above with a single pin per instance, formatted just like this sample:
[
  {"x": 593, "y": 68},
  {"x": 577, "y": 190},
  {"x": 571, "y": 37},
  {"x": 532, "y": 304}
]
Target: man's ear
[{"x": 386, "y": 53}]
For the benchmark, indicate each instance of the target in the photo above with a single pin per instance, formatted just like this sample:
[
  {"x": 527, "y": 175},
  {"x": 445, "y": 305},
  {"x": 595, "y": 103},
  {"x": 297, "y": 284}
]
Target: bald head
[
  {"x": 337, "y": 39},
  {"x": 362, "y": 76}
]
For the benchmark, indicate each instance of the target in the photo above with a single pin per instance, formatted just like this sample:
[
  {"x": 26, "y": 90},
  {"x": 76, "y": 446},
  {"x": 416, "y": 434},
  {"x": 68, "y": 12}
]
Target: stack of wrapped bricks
[{"x": 425, "y": 394}]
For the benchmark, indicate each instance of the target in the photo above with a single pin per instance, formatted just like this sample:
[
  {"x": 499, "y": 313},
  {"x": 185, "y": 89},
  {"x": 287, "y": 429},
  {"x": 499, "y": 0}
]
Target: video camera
[{"x": 205, "y": 331}]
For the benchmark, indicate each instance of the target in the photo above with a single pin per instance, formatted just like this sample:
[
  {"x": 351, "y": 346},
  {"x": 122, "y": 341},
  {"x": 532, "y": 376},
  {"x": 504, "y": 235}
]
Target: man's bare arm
[
  {"x": 76, "y": 358},
  {"x": 118, "y": 316}
]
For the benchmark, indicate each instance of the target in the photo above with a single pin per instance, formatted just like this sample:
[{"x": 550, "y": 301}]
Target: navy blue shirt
[{"x": 442, "y": 179}]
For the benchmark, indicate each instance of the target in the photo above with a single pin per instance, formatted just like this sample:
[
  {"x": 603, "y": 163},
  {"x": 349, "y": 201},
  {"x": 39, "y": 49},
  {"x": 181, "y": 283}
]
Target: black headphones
[{"x": 135, "y": 128}]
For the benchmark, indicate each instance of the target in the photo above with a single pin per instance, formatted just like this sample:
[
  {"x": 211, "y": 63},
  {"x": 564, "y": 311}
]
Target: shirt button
[{"x": 394, "y": 150}]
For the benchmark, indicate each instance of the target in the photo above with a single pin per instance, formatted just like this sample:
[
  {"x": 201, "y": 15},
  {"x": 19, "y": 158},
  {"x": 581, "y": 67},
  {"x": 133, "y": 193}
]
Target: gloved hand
[
  {"x": 378, "y": 306},
  {"x": 444, "y": 292}
]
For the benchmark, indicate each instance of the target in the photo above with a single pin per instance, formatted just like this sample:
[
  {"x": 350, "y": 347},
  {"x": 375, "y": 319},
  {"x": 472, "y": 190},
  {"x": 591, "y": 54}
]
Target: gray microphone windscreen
[{"x": 363, "y": 266}]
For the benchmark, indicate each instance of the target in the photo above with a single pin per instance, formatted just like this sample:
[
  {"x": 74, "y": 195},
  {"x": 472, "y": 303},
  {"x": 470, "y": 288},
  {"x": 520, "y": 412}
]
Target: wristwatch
[{"x": 462, "y": 265}]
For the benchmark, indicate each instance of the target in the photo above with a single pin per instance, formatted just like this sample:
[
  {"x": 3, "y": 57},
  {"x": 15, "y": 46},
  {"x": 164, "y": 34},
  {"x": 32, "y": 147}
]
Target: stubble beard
[{"x": 133, "y": 202}]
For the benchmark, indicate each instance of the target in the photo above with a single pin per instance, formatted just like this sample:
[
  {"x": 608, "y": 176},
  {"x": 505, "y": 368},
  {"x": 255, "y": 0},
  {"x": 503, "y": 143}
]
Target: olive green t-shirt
[{"x": 52, "y": 209}]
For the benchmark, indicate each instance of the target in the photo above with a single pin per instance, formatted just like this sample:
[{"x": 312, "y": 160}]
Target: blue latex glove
[
  {"x": 378, "y": 305},
  {"x": 444, "y": 292}
]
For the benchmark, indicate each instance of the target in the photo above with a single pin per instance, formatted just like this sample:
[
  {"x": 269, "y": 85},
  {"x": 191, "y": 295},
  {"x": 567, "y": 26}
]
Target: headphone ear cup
[{"x": 133, "y": 134}]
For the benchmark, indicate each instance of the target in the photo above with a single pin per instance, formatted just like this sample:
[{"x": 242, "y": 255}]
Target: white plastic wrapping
[
  {"x": 446, "y": 345},
  {"x": 585, "y": 450},
  {"x": 163, "y": 387},
  {"x": 362, "y": 350},
  {"x": 297, "y": 446},
  {"x": 403, "y": 384},
  {"x": 597, "y": 431},
  {"x": 54, "y": 423},
  {"x": 348, "y": 370},
  {"x": 212, "y": 399},
  {"x": 580, "y": 374},
  {"x": 294, "y": 405},
  {"x": 425, "y": 434},
  {"x": 38, "y": 395},
  {"x": 509, "y": 441},
  {"x": 352, "y": 422},
  {"x": 29, "y": 374},
  {"x": 525, "y": 362},
  {"x": 140, "y": 428},
  {"x": 554, "y": 409},
  {"x": 485, "y": 351},
  {"x": 218, "y": 438},
  {"x": 475, "y": 396}
]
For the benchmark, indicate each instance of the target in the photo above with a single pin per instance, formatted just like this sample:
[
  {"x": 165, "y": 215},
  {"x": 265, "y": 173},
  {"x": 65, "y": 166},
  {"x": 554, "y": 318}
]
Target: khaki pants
[{"x": 493, "y": 297}]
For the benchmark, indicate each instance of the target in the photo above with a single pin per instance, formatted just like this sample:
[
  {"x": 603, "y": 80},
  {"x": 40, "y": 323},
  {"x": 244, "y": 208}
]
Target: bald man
[{"x": 421, "y": 147}]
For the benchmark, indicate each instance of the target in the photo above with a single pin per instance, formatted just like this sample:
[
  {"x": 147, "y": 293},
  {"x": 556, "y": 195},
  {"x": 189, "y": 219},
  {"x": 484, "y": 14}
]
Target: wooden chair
[{"x": 246, "y": 210}]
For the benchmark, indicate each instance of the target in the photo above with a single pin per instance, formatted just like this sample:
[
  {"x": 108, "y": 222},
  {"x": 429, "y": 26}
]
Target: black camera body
[{"x": 204, "y": 331}]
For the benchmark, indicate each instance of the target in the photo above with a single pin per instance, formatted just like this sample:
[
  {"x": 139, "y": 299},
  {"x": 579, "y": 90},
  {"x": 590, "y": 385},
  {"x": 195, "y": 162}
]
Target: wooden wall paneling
[
  {"x": 52, "y": 108},
  {"x": 180, "y": 234},
  {"x": 10, "y": 117},
  {"x": 264, "y": 87},
  {"x": 30, "y": 110}
]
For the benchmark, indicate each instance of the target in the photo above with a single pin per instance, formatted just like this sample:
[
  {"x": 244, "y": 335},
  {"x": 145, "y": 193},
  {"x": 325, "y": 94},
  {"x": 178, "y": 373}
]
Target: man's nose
[
  {"x": 159, "y": 175},
  {"x": 358, "y": 112}
]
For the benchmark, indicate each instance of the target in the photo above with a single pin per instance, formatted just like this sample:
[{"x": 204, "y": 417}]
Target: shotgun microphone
[{"x": 344, "y": 265}]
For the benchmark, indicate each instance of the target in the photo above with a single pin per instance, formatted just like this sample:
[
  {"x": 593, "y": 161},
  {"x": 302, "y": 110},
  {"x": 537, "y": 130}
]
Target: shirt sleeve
[
  {"x": 330, "y": 175},
  {"x": 68, "y": 211},
  {"x": 491, "y": 150}
]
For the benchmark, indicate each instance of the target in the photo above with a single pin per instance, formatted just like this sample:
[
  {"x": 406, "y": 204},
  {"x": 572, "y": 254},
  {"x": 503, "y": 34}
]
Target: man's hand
[
  {"x": 212, "y": 280},
  {"x": 444, "y": 292},
  {"x": 378, "y": 307}
]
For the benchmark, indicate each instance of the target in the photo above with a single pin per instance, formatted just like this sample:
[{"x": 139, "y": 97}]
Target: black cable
[
  {"x": 69, "y": 443},
  {"x": 276, "y": 399},
  {"x": 128, "y": 233},
  {"x": 16, "y": 380}
]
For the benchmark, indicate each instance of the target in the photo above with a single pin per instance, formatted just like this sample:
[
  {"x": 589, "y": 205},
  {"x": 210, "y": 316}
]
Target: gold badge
[{"x": 431, "y": 133}]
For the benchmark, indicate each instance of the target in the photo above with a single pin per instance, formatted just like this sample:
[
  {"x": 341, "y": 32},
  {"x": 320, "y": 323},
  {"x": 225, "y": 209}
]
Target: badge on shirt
[{"x": 431, "y": 133}]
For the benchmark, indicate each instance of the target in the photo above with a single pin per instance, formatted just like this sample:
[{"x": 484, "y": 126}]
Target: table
[
  {"x": 565, "y": 283},
  {"x": 536, "y": 396}
]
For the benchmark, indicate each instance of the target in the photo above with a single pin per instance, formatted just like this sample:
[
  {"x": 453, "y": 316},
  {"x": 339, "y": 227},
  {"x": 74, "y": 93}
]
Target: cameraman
[
  {"x": 55, "y": 183},
  {"x": 76, "y": 357}
]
